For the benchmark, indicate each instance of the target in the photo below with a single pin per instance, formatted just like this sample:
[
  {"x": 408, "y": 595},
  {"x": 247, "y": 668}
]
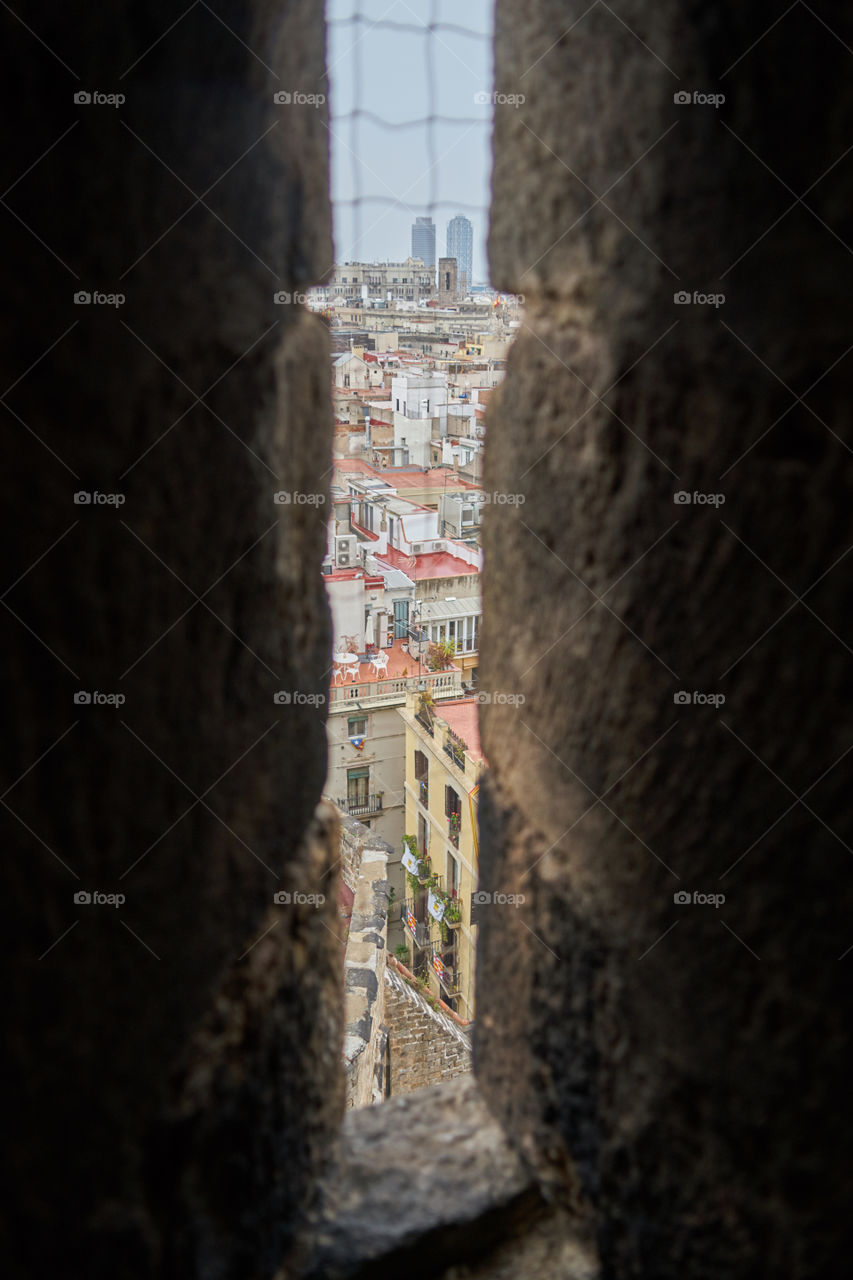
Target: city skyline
[{"x": 401, "y": 146}]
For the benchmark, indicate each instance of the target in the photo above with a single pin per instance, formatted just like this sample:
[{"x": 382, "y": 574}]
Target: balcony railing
[
  {"x": 422, "y": 786},
  {"x": 419, "y": 929},
  {"x": 449, "y": 978},
  {"x": 454, "y": 825},
  {"x": 364, "y": 807},
  {"x": 393, "y": 690},
  {"x": 425, "y": 724},
  {"x": 456, "y": 753}
]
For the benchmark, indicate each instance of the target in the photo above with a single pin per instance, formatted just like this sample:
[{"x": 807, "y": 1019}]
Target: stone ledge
[{"x": 421, "y": 1183}]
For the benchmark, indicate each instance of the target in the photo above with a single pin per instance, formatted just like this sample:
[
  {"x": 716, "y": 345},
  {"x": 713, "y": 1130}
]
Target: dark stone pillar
[
  {"x": 175, "y": 1073},
  {"x": 676, "y": 1073}
]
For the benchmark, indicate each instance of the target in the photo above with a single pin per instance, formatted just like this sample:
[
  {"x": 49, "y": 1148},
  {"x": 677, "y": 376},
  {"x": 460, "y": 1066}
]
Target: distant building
[
  {"x": 460, "y": 245},
  {"x": 375, "y": 284},
  {"x": 423, "y": 240},
  {"x": 448, "y": 281}
]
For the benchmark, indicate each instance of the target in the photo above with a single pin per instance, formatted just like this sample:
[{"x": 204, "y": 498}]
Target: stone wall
[
  {"x": 165, "y": 1122},
  {"x": 365, "y": 1037},
  {"x": 679, "y": 1071},
  {"x": 425, "y": 1045}
]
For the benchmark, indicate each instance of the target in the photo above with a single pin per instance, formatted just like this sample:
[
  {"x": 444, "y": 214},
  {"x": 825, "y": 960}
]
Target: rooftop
[
  {"x": 463, "y": 717},
  {"x": 399, "y": 660},
  {"x": 429, "y": 564}
]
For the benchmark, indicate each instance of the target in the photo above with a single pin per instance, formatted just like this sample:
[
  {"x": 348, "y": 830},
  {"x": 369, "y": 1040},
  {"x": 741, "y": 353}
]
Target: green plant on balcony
[
  {"x": 425, "y": 876},
  {"x": 401, "y": 951},
  {"x": 426, "y": 706},
  {"x": 453, "y": 913},
  {"x": 440, "y": 654}
]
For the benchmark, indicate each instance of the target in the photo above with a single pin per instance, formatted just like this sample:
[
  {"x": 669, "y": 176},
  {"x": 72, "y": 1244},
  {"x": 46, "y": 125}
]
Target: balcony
[
  {"x": 419, "y": 929},
  {"x": 425, "y": 724},
  {"x": 454, "y": 826},
  {"x": 456, "y": 753},
  {"x": 422, "y": 788},
  {"x": 365, "y": 807},
  {"x": 449, "y": 978}
]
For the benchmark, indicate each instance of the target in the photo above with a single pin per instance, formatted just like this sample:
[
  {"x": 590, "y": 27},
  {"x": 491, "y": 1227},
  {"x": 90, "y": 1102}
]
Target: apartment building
[{"x": 444, "y": 764}]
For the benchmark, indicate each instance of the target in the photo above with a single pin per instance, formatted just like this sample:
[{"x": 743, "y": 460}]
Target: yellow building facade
[{"x": 443, "y": 768}]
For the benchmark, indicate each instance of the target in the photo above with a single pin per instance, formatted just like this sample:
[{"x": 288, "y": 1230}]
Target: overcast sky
[{"x": 437, "y": 170}]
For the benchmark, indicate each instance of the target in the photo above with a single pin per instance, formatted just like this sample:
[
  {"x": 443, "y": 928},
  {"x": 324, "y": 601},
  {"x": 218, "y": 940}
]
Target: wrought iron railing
[
  {"x": 363, "y": 808},
  {"x": 419, "y": 929}
]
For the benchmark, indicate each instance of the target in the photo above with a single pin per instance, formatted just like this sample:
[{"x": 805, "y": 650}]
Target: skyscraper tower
[
  {"x": 460, "y": 245},
  {"x": 423, "y": 240}
]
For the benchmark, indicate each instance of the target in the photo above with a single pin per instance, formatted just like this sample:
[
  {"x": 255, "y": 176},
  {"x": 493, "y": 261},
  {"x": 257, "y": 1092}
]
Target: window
[
  {"x": 346, "y": 379},
  {"x": 452, "y": 876},
  {"x": 423, "y": 836},
  {"x": 356, "y": 726},
  {"x": 358, "y": 786}
]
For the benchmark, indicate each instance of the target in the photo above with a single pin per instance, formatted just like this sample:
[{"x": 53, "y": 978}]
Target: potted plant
[
  {"x": 424, "y": 871},
  {"x": 453, "y": 914},
  {"x": 401, "y": 951},
  {"x": 440, "y": 654}
]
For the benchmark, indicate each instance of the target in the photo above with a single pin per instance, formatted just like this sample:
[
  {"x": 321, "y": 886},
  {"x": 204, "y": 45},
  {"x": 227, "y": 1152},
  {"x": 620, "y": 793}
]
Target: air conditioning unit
[
  {"x": 345, "y": 551},
  {"x": 439, "y": 546},
  {"x": 417, "y": 547}
]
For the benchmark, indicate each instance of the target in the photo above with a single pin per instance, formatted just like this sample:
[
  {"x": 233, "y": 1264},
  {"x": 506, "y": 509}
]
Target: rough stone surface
[
  {"x": 164, "y": 1122},
  {"x": 680, "y": 1071},
  {"x": 425, "y": 1045},
  {"x": 365, "y": 1038},
  {"x": 420, "y": 1183}
]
